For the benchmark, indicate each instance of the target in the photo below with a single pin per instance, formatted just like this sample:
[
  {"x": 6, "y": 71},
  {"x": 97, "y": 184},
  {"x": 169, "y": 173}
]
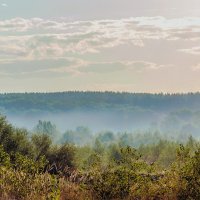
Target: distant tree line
[{"x": 67, "y": 101}]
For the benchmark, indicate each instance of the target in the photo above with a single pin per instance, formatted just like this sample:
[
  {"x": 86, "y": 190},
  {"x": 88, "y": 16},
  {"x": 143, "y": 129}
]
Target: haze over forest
[
  {"x": 145, "y": 54},
  {"x": 175, "y": 116}
]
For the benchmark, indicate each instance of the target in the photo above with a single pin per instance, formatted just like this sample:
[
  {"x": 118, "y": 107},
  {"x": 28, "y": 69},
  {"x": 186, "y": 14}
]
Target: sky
[{"x": 100, "y": 45}]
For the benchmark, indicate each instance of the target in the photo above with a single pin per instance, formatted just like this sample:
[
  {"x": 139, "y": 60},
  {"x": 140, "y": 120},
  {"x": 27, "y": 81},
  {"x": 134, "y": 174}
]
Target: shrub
[
  {"x": 72, "y": 191},
  {"x": 20, "y": 185}
]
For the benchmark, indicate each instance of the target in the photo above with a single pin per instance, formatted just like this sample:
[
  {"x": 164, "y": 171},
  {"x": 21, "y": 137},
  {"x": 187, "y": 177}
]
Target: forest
[
  {"x": 77, "y": 100},
  {"x": 175, "y": 115},
  {"x": 99, "y": 145},
  {"x": 82, "y": 165}
]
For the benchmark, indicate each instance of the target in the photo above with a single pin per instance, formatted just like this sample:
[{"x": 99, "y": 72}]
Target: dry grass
[
  {"x": 72, "y": 191},
  {"x": 19, "y": 185}
]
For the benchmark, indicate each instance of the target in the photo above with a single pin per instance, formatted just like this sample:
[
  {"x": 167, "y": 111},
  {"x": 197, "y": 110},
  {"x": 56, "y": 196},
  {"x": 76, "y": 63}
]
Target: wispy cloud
[
  {"x": 41, "y": 39},
  {"x": 192, "y": 50},
  {"x": 4, "y": 5},
  {"x": 120, "y": 52},
  {"x": 75, "y": 67}
]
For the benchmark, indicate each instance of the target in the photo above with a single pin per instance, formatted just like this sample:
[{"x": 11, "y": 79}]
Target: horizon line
[{"x": 99, "y": 91}]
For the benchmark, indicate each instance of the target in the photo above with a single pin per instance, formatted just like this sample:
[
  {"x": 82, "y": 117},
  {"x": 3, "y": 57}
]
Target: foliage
[
  {"x": 41, "y": 144},
  {"x": 14, "y": 139},
  {"x": 66, "y": 101},
  {"x": 24, "y": 178},
  {"x": 62, "y": 156},
  {"x": 189, "y": 174},
  {"x": 73, "y": 191},
  {"x": 16, "y": 184},
  {"x": 4, "y": 157},
  {"x": 109, "y": 182},
  {"x": 106, "y": 169}
]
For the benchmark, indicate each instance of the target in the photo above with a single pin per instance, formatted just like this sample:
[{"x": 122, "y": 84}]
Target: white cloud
[
  {"x": 4, "y": 5},
  {"x": 141, "y": 66},
  {"x": 193, "y": 50},
  {"x": 164, "y": 23},
  {"x": 24, "y": 41},
  {"x": 38, "y": 38}
]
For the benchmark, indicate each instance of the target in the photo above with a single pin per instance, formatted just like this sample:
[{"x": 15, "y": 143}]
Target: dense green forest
[
  {"x": 66, "y": 101},
  {"x": 34, "y": 166}
]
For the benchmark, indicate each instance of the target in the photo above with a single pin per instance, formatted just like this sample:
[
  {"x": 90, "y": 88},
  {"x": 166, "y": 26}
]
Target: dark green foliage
[
  {"x": 41, "y": 144},
  {"x": 111, "y": 183},
  {"x": 93, "y": 100},
  {"x": 189, "y": 173},
  {"x": 114, "y": 179},
  {"x": 14, "y": 139},
  {"x": 4, "y": 158},
  {"x": 28, "y": 165},
  {"x": 62, "y": 156},
  {"x": 22, "y": 162}
]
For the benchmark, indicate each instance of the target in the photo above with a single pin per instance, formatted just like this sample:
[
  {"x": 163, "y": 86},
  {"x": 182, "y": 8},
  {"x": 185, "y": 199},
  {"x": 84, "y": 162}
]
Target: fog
[
  {"x": 79, "y": 116},
  {"x": 174, "y": 124},
  {"x": 96, "y": 121}
]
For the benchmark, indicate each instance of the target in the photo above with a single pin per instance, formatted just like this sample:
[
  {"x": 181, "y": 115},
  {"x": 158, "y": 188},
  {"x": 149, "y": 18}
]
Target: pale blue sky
[
  {"x": 129, "y": 45},
  {"x": 98, "y": 9}
]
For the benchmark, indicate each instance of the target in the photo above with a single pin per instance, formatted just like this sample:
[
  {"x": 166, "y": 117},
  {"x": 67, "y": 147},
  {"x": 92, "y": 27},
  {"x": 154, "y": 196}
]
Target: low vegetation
[{"x": 34, "y": 166}]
